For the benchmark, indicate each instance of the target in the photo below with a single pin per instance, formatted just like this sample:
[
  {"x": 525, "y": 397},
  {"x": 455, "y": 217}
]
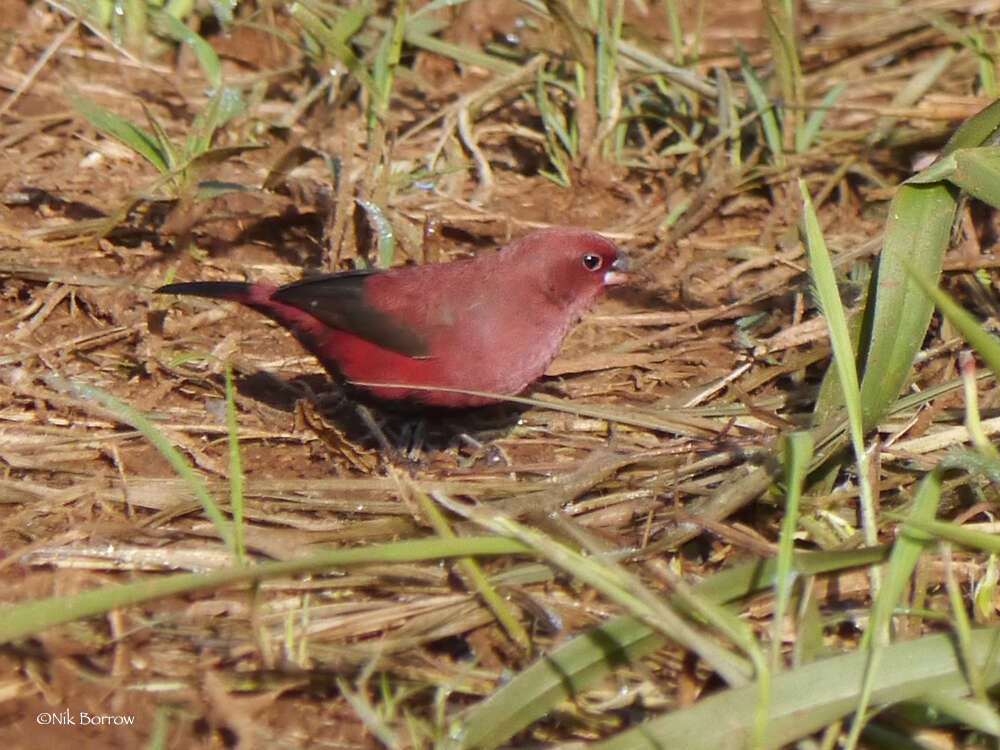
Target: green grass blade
[
  {"x": 565, "y": 672},
  {"x": 917, "y": 234},
  {"x": 580, "y": 663},
  {"x": 977, "y": 714},
  {"x": 903, "y": 560},
  {"x": 179, "y": 8},
  {"x": 968, "y": 326},
  {"x": 813, "y": 696},
  {"x": 806, "y": 136},
  {"x": 135, "y": 20},
  {"x": 765, "y": 109},
  {"x": 676, "y": 34},
  {"x": 208, "y": 189},
  {"x": 608, "y": 35},
  {"x": 906, "y": 551},
  {"x": 388, "y": 60},
  {"x": 235, "y": 469},
  {"x": 980, "y": 715},
  {"x": 225, "y": 104},
  {"x": 782, "y": 35},
  {"x": 98, "y": 12},
  {"x": 966, "y": 537},
  {"x": 821, "y": 270},
  {"x": 459, "y": 53},
  {"x": 986, "y": 589},
  {"x": 21, "y": 620},
  {"x": 168, "y": 25},
  {"x": 164, "y": 144},
  {"x": 797, "y": 454},
  {"x": 552, "y": 119},
  {"x": 976, "y": 131},
  {"x": 118, "y": 127},
  {"x": 962, "y": 628},
  {"x": 622, "y": 587},
  {"x": 898, "y": 312},
  {"x": 130, "y": 416},
  {"x": 475, "y": 576},
  {"x": 331, "y": 40},
  {"x": 977, "y": 172}
]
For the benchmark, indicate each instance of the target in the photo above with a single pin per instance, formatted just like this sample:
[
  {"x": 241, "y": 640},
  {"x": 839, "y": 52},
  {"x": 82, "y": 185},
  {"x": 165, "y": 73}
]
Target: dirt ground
[{"x": 87, "y": 500}]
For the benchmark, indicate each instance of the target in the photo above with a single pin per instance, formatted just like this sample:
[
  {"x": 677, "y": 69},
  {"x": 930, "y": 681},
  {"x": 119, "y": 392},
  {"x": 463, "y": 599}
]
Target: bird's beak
[{"x": 618, "y": 273}]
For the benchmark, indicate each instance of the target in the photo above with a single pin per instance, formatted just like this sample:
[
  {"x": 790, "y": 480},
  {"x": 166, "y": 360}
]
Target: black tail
[{"x": 234, "y": 290}]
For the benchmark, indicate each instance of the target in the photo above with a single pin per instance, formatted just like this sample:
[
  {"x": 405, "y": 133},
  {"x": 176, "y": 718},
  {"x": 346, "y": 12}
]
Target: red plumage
[{"x": 491, "y": 323}]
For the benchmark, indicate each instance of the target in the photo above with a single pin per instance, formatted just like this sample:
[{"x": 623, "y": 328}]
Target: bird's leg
[
  {"x": 375, "y": 430},
  {"x": 404, "y": 449},
  {"x": 414, "y": 435}
]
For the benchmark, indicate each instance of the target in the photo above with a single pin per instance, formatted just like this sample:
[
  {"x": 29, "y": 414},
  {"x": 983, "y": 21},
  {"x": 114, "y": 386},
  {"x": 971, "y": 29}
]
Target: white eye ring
[{"x": 592, "y": 261}]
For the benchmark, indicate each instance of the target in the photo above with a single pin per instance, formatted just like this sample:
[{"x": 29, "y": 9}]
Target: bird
[{"x": 491, "y": 323}]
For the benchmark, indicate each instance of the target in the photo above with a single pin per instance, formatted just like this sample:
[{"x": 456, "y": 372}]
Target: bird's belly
[{"x": 393, "y": 376}]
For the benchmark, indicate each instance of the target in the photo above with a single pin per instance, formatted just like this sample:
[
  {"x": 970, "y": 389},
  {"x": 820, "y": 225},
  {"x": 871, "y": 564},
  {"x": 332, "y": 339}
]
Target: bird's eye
[{"x": 592, "y": 262}]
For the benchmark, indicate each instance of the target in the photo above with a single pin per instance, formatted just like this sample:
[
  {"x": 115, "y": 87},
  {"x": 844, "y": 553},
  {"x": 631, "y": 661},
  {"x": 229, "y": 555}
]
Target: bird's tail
[
  {"x": 307, "y": 328},
  {"x": 238, "y": 291}
]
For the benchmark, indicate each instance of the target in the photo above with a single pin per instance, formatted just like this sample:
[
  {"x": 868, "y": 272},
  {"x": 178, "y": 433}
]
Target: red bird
[{"x": 492, "y": 323}]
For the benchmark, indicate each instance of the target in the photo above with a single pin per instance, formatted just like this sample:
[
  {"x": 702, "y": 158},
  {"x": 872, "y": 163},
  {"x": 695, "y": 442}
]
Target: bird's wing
[{"x": 338, "y": 300}]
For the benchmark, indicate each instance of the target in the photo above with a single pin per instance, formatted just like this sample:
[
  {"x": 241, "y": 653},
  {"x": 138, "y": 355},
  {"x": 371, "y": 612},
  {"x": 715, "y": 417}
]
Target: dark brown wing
[{"x": 339, "y": 301}]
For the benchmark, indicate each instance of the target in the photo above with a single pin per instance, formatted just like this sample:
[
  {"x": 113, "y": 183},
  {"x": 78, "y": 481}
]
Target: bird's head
[{"x": 571, "y": 263}]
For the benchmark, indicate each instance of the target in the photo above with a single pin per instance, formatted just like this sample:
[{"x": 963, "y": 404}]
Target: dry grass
[{"x": 670, "y": 397}]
